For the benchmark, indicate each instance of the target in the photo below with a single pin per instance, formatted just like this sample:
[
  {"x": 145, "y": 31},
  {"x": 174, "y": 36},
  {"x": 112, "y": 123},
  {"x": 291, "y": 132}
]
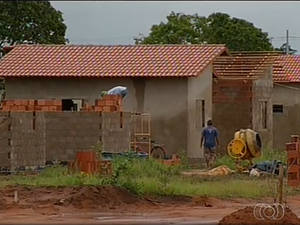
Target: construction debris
[
  {"x": 268, "y": 167},
  {"x": 254, "y": 173},
  {"x": 218, "y": 171}
]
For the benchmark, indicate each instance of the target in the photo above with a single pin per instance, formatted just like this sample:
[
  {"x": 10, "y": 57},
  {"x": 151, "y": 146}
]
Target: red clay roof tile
[
  {"x": 286, "y": 68},
  {"x": 113, "y": 61}
]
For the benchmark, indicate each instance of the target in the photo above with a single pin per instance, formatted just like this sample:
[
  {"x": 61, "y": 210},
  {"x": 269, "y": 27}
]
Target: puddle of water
[
  {"x": 134, "y": 218},
  {"x": 128, "y": 218},
  {"x": 104, "y": 218},
  {"x": 104, "y": 214},
  {"x": 143, "y": 220},
  {"x": 121, "y": 219}
]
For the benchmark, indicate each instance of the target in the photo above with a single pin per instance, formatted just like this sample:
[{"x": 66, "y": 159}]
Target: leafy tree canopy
[
  {"x": 32, "y": 22},
  {"x": 218, "y": 28}
]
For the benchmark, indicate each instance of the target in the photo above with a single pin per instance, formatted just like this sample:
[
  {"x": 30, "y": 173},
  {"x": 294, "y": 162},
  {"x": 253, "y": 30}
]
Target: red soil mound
[
  {"x": 88, "y": 197},
  {"x": 95, "y": 197},
  {"x": 2, "y": 201},
  {"x": 246, "y": 217}
]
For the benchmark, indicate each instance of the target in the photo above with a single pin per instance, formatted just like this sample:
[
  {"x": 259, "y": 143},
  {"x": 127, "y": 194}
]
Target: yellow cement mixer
[{"x": 246, "y": 145}]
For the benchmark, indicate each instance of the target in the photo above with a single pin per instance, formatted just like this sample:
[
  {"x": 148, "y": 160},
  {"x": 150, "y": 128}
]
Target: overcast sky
[{"x": 111, "y": 23}]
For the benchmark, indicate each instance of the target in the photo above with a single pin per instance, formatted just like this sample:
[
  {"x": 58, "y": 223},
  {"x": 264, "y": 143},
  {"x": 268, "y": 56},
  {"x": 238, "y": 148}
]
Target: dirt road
[{"x": 111, "y": 205}]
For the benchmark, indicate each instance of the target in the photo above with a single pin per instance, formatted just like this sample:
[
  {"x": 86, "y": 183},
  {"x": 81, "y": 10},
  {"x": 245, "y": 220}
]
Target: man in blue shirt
[{"x": 210, "y": 142}]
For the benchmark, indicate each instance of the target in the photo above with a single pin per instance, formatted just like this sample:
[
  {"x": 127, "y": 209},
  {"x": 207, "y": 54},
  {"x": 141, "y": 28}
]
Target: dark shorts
[{"x": 209, "y": 153}]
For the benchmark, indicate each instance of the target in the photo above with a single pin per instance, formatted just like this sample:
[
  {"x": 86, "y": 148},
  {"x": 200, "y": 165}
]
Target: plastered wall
[
  {"x": 263, "y": 94},
  {"x": 287, "y": 122}
]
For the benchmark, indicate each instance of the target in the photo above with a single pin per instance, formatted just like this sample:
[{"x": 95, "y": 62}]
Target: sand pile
[{"x": 246, "y": 217}]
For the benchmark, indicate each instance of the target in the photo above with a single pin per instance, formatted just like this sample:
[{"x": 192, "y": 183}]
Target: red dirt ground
[
  {"x": 100, "y": 204},
  {"x": 238, "y": 218},
  {"x": 83, "y": 198}
]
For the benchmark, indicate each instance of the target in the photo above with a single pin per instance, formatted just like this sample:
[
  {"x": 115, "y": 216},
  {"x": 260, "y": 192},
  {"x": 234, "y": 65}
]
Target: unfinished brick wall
[
  {"x": 36, "y": 131},
  {"x": 31, "y": 105},
  {"x": 109, "y": 103},
  {"x": 5, "y": 137},
  {"x": 232, "y": 108},
  {"x": 27, "y": 141},
  {"x": 69, "y": 132},
  {"x": 32, "y": 138},
  {"x": 116, "y": 130},
  {"x": 21, "y": 143}
]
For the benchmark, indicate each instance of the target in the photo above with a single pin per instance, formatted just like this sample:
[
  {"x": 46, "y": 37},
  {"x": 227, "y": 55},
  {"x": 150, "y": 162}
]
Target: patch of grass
[
  {"x": 98, "y": 149},
  {"x": 150, "y": 177},
  {"x": 223, "y": 188},
  {"x": 272, "y": 154}
]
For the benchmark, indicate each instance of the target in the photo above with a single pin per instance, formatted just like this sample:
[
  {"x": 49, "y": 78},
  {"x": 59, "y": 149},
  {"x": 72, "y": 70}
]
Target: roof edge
[
  {"x": 141, "y": 45},
  {"x": 286, "y": 82},
  {"x": 225, "y": 50}
]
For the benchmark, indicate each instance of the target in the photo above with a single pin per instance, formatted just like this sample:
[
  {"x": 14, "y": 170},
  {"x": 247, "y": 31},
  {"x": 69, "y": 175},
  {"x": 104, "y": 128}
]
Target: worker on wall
[
  {"x": 210, "y": 142},
  {"x": 119, "y": 90}
]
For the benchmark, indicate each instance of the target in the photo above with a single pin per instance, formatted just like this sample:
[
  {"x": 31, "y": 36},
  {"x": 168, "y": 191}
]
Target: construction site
[{"x": 94, "y": 159}]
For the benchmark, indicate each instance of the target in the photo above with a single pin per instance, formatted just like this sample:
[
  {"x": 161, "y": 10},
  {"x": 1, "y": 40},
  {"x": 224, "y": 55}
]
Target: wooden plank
[{"x": 280, "y": 184}]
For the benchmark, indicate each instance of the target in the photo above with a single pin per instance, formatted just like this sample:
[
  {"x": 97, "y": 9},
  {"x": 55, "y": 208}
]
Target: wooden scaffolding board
[{"x": 141, "y": 130}]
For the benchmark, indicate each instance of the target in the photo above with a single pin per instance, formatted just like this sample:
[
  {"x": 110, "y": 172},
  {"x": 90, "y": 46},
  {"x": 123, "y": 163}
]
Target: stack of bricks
[
  {"x": 87, "y": 162},
  {"x": 293, "y": 152},
  {"x": 109, "y": 103},
  {"x": 31, "y": 105}
]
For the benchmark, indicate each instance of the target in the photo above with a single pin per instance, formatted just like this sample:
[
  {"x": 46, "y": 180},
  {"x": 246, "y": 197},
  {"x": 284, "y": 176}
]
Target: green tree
[
  {"x": 218, "y": 28},
  {"x": 34, "y": 22}
]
